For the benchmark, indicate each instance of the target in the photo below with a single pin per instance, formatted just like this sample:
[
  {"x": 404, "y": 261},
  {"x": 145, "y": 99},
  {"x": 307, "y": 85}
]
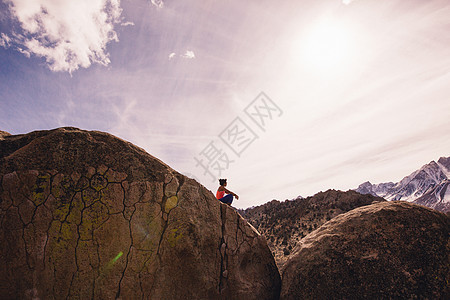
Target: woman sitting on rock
[{"x": 221, "y": 191}]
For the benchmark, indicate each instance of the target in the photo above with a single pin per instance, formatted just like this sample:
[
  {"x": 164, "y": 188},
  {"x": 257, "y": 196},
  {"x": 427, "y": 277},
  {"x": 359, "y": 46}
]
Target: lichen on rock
[{"x": 87, "y": 215}]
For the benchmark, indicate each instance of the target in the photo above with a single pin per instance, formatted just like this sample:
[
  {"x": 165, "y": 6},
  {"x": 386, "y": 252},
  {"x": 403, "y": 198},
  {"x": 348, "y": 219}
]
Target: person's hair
[{"x": 222, "y": 181}]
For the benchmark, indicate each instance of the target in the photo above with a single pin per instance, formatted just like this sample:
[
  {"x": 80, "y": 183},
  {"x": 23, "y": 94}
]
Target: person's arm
[{"x": 230, "y": 192}]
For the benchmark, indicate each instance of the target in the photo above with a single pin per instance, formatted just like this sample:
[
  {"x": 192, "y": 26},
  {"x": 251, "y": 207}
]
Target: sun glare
[{"x": 326, "y": 47}]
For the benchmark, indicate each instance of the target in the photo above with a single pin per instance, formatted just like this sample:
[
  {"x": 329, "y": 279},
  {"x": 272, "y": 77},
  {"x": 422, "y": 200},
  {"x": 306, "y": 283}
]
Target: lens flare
[
  {"x": 117, "y": 257},
  {"x": 113, "y": 261}
]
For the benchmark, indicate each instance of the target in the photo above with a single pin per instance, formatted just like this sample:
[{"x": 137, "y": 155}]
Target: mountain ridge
[
  {"x": 426, "y": 186},
  {"x": 284, "y": 224}
]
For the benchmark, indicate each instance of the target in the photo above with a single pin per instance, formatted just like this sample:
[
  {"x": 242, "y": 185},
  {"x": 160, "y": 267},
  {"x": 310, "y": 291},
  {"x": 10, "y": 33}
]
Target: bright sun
[{"x": 326, "y": 47}]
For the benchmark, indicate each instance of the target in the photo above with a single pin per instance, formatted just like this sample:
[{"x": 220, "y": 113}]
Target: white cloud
[
  {"x": 158, "y": 3},
  {"x": 4, "y": 40},
  {"x": 68, "y": 34},
  {"x": 127, "y": 24},
  {"x": 24, "y": 52},
  {"x": 347, "y": 2},
  {"x": 188, "y": 54}
]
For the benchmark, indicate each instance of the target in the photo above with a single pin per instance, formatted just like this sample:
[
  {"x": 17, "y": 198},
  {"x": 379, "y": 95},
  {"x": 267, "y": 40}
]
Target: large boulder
[
  {"x": 87, "y": 215},
  {"x": 387, "y": 250}
]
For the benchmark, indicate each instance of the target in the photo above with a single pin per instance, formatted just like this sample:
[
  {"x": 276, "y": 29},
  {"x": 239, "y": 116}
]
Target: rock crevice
[{"x": 86, "y": 215}]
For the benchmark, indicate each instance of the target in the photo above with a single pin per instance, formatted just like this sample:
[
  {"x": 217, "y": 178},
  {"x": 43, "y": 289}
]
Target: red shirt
[{"x": 220, "y": 194}]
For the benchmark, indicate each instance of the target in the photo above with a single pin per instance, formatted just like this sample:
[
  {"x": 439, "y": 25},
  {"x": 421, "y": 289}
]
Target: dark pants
[{"x": 228, "y": 199}]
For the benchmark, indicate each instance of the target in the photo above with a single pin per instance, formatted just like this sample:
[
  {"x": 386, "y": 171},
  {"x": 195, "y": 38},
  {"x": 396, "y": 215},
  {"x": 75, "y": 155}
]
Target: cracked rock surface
[
  {"x": 85, "y": 215},
  {"x": 387, "y": 250}
]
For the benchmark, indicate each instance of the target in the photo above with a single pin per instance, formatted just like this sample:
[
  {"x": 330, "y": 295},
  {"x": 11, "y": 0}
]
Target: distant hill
[
  {"x": 428, "y": 186},
  {"x": 284, "y": 224},
  {"x": 3, "y": 134}
]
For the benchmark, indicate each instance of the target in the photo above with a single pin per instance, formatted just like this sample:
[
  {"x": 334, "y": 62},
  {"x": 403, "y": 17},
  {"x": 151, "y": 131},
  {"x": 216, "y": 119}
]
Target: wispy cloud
[
  {"x": 157, "y": 3},
  {"x": 127, "y": 24},
  {"x": 189, "y": 54},
  {"x": 68, "y": 34},
  {"x": 4, "y": 40}
]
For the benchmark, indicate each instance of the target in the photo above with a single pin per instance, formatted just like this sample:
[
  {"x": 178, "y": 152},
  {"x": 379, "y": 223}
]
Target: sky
[{"x": 282, "y": 98}]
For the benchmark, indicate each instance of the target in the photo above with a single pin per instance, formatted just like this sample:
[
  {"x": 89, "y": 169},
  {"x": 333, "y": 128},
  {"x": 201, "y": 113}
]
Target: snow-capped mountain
[{"x": 427, "y": 186}]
